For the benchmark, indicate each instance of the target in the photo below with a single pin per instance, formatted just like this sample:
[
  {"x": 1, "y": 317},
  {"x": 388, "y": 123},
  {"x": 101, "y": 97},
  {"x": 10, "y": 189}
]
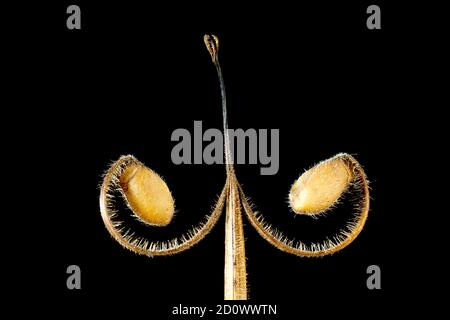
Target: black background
[{"x": 135, "y": 73}]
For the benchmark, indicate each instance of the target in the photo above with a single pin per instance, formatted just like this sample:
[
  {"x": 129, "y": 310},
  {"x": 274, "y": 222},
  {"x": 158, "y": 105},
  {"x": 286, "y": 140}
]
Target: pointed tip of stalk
[{"x": 212, "y": 44}]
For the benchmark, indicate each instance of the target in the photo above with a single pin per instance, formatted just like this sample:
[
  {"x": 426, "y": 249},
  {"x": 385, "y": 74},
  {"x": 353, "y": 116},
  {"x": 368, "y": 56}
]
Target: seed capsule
[
  {"x": 147, "y": 195},
  {"x": 320, "y": 187}
]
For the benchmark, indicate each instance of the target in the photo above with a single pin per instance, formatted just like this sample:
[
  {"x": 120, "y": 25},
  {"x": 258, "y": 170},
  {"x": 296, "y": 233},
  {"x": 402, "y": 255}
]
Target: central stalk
[
  {"x": 235, "y": 264},
  {"x": 235, "y": 276}
]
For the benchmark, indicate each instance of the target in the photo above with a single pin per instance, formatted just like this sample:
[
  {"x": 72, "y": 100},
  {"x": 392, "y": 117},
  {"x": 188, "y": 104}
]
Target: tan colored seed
[
  {"x": 147, "y": 195},
  {"x": 320, "y": 187}
]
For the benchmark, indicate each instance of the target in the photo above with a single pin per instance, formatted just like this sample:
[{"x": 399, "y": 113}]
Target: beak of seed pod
[
  {"x": 319, "y": 188},
  {"x": 147, "y": 195},
  {"x": 212, "y": 44}
]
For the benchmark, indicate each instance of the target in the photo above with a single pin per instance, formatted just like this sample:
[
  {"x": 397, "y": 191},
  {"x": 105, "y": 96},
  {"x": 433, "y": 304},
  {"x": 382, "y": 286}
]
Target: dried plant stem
[
  {"x": 235, "y": 276},
  {"x": 235, "y": 261}
]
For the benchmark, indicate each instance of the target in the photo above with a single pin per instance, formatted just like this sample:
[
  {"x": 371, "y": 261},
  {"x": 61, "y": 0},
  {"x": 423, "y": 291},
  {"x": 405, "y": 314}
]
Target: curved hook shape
[
  {"x": 111, "y": 182},
  {"x": 340, "y": 241}
]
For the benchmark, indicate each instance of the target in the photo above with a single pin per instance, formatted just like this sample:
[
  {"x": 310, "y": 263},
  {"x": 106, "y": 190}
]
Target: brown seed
[
  {"x": 147, "y": 195},
  {"x": 320, "y": 187}
]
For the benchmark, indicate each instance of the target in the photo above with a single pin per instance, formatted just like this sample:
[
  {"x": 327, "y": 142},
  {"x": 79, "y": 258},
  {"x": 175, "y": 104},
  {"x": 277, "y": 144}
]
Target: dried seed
[
  {"x": 319, "y": 188},
  {"x": 147, "y": 195}
]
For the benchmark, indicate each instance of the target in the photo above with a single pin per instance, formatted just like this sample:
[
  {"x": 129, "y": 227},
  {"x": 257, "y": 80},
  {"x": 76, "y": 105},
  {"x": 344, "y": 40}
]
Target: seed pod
[
  {"x": 147, "y": 195},
  {"x": 149, "y": 199},
  {"x": 319, "y": 188}
]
